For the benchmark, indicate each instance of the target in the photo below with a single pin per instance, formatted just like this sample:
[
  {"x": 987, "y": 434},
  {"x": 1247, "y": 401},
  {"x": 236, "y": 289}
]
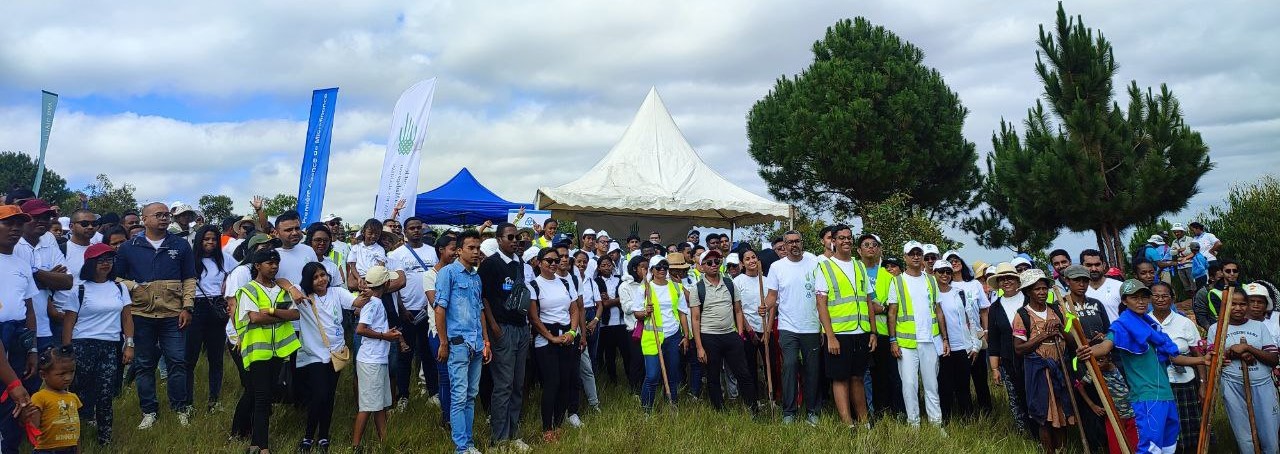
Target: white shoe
[
  {"x": 402, "y": 404},
  {"x": 434, "y": 400},
  {"x": 148, "y": 420},
  {"x": 184, "y": 418},
  {"x": 471, "y": 450},
  {"x": 575, "y": 421},
  {"x": 519, "y": 446}
]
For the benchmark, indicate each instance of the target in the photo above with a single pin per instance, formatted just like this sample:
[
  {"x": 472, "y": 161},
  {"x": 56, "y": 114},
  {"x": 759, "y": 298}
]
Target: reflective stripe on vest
[
  {"x": 1214, "y": 309},
  {"x": 883, "y": 278},
  {"x": 906, "y": 326},
  {"x": 648, "y": 343},
  {"x": 263, "y": 342},
  {"x": 846, "y": 303}
]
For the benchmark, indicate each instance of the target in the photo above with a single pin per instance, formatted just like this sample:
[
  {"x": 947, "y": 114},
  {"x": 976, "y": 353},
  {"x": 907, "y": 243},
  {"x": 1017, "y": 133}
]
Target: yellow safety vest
[
  {"x": 541, "y": 242},
  {"x": 1213, "y": 292},
  {"x": 648, "y": 342},
  {"x": 263, "y": 342},
  {"x": 906, "y": 327},
  {"x": 883, "y": 277},
  {"x": 847, "y": 304}
]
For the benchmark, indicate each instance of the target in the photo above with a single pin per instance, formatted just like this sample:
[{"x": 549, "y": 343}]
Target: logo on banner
[{"x": 408, "y": 133}]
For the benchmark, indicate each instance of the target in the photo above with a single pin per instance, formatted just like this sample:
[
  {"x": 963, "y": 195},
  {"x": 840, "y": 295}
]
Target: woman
[
  {"x": 612, "y": 331},
  {"x": 1182, "y": 379},
  {"x": 320, "y": 322},
  {"x": 748, "y": 285},
  {"x": 954, "y": 369},
  {"x": 628, "y": 292},
  {"x": 975, "y": 293},
  {"x": 1038, "y": 339},
  {"x": 1146, "y": 272},
  {"x": 241, "y": 275},
  {"x": 447, "y": 251},
  {"x": 263, "y": 312},
  {"x": 661, "y": 304},
  {"x": 589, "y": 296},
  {"x": 1005, "y": 364},
  {"x": 206, "y": 330},
  {"x": 553, "y": 314},
  {"x": 93, "y": 324},
  {"x": 320, "y": 238}
]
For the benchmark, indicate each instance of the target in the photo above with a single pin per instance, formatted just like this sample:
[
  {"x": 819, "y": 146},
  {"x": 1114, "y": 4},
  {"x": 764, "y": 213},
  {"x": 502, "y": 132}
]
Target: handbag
[
  {"x": 340, "y": 358},
  {"x": 638, "y": 332}
]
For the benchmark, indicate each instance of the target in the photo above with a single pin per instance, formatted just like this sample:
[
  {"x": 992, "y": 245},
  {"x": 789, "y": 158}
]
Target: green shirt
[{"x": 1147, "y": 378}]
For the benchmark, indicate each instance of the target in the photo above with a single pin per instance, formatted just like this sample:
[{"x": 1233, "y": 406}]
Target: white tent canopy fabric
[{"x": 652, "y": 171}]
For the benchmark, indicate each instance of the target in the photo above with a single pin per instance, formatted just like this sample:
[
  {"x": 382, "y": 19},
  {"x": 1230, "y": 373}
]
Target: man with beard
[{"x": 790, "y": 285}]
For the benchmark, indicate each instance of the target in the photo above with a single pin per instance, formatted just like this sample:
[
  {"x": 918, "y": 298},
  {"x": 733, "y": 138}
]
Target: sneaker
[
  {"x": 434, "y": 401},
  {"x": 788, "y": 420},
  {"x": 184, "y": 418},
  {"x": 519, "y": 445},
  {"x": 471, "y": 450},
  {"x": 304, "y": 445},
  {"x": 595, "y": 408},
  {"x": 813, "y": 420},
  {"x": 402, "y": 404},
  {"x": 575, "y": 421},
  {"x": 148, "y": 420},
  {"x": 215, "y": 407},
  {"x": 322, "y": 446}
]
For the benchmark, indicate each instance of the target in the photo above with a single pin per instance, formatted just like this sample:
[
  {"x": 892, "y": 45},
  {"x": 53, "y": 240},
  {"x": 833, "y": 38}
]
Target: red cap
[
  {"x": 11, "y": 211},
  {"x": 36, "y": 207},
  {"x": 97, "y": 250},
  {"x": 1114, "y": 272}
]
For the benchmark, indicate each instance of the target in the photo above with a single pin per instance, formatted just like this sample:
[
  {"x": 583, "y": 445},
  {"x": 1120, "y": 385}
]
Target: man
[
  {"x": 790, "y": 285},
  {"x": 464, "y": 343},
  {"x": 1020, "y": 264},
  {"x": 548, "y": 237},
  {"x": 694, "y": 237},
  {"x": 413, "y": 259},
  {"x": 587, "y": 242},
  {"x": 1210, "y": 245},
  {"x": 17, "y": 316},
  {"x": 159, "y": 269},
  {"x": 1094, "y": 322},
  {"x": 719, "y": 330},
  {"x": 506, "y": 301},
  {"x": 713, "y": 242},
  {"x": 1181, "y": 254},
  {"x": 1101, "y": 287},
  {"x": 843, "y": 293},
  {"x": 1207, "y": 303},
  {"x": 655, "y": 237},
  {"x": 827, "y": 243},
  {"x": 931, "y": 256},
  {"x": 1059, "y": 259},
  {"x": 78, "y": 242},
  {"x": 48, "y": 267},
  {"x": 393, "y": 226},
  {"x": 602, "y": 245},
  {"x": 338, "y": 254},
  {"x": 183, "y": 216},
  {"x": 1158, "y": 254},
  {"x": 917, "y": 334},
  {"x": 130, "y": 219},
  {"x": 884, "y": 381},
  {"x": 725, "y": 245},
  {"x": 293, "y": 254}
]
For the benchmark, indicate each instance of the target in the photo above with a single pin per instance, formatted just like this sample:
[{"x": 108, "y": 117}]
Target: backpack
[
  {"x": 702, "y": 290},
  {"x": 518, "y": 300},
  {"x": 537, "y": 293},
  {"x": 81, "y": 291}
]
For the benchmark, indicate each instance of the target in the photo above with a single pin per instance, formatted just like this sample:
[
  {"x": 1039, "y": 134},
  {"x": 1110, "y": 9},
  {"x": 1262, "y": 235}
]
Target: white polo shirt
[{"x": 16, "y": 287}]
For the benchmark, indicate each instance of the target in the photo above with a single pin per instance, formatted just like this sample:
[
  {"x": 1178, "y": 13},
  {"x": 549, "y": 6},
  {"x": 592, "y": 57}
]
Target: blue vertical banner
[
  {"x": 315, "y": 159},
  {"x": 49, "y": 103}
]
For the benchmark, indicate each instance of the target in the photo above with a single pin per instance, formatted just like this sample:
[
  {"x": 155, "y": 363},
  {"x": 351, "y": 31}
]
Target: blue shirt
[
  {"x": 1199, "y": 265},
  {"x": 1148, "y": 380},
  {"x": 458, "y": 292}
]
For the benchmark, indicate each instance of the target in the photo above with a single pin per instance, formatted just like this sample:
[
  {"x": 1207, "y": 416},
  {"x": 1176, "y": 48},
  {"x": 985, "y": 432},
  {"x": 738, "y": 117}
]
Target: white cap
[
  {"x": 588, "y": 232},
  {"x": 489, "y": 247},
  {"x": 529, "y": 254},
  {"x": 1019, "y": 261},
  {"x": 1256, "y": 289},
  {"x": 930, "y": 249},
  {"x": 614, "y": 246},
  {"x": 1156, "y": 239},
  {"x": 708, "y": 252},
  {"x": 909, "y": 245},
  {"x": 329, "y": 217},
  {"x": 603, "y": 234},
  {"x": 732, "y": 259},
  {"x": 1178, "y": 227},
  {"x": 656, "y": 260},
  {"x": 66, "y": 222},
  {"x": 179, "y": 208},
  {"x": 942, "y": 265},
  {"x": 948, "y": 254}
]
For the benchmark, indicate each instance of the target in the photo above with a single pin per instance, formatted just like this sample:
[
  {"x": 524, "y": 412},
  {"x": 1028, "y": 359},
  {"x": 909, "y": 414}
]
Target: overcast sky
[{"x": 183, "y": 99}]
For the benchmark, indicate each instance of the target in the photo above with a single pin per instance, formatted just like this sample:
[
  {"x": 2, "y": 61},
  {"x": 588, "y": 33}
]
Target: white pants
[{"x": 917, "y": 363}]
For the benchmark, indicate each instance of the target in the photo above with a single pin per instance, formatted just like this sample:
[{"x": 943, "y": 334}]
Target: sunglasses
[
  {"x": 712, "y": 262},
  {"x": 551, "y": 261},
  {"x": 511, "y": 237},
  {"x": 84, "y": 224},
  {"x": 1231, "y": 271}
]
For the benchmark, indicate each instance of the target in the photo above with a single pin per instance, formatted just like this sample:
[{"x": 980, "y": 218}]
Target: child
[
  {"x": 1199, "y": 266},
  {"x": 54, "y": 409},
  {"x": 1249, "y": 341},
  {"x": 1143, "y": 350},
  {"x": 1119, "y": 391},
  {"x": 371, "y": 361}
]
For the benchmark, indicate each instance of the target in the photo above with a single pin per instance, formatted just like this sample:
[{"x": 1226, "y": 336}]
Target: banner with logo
[
  {"x": 315, "y": 158},
  {"x": 49, "y": 103},
  {"x": 530, "y": 217},
  {"x": 404, "y": 150}
]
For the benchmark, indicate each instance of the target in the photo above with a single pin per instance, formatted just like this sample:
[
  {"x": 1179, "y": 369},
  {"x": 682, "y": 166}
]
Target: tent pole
[{"x": 733, "y": 227}]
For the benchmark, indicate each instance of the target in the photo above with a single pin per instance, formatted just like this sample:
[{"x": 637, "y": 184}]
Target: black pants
[
  {"x": 886, "y": 384},
  {"x": 981, "y": 383},
  {"x": 322, "y": 381},
  {"x": 557, "y": 365},
  {"x": 727, "y": 349},
  {"x": 752, "y": 351},
  {"x": 262, "y": 378},
  {"x": 953, "y": 384},
  {"x": 242, "y": 420},
  {"x": 635, "y": 370},
  {"x": 206, "y": 333},
  {"x": 614, "y": 344},
  {"x": 416, "y": 337}
]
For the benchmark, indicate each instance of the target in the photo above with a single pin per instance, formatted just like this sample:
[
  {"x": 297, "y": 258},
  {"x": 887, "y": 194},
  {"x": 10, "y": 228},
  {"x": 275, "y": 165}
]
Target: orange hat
[{"x": 11, "y": 211}]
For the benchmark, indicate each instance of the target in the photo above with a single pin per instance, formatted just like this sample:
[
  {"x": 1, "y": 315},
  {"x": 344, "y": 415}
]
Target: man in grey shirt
[{"x": 718, "y": 330}]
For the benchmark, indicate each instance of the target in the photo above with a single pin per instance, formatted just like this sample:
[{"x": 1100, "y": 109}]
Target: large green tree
[
  {"x": 215, "y": 207},
  {"x": 866, "y": 120},
  {"x": 1098, "y": 166},
  {"x": 896, "y": 222},
  {"x": 106, "y": 197},
  {"x": 993, "y": 228},
  {"x": 18, "y": 170},
  {"x": 1246, "y": 225},
  {"x": 279, "y": 203}
]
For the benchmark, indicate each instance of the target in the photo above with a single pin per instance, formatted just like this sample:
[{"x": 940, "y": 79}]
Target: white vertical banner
[{"x": 404, "y": 150}]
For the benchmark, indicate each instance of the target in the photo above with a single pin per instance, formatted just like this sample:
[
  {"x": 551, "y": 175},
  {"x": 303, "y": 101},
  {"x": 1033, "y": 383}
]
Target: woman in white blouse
[
  {"x": 93, "y": 323},
  {"x": 206, "y": 333},
  {"x": 632, "y": 284},
  {"x": 553, "y": 314}
]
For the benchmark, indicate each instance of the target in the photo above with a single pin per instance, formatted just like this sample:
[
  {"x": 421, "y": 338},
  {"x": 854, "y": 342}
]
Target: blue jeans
[
  {"x": 653, "y": 372},
  {"x": 442, "y": 375},
  {"x": 464, "y": 384},
  {"x": 11, "y": 434},
  {"x": 154, "y": 337}
]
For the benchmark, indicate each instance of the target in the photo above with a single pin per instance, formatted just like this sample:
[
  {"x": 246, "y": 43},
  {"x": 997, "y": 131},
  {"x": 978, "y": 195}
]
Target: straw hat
[{"x": 1001, "y": 270}]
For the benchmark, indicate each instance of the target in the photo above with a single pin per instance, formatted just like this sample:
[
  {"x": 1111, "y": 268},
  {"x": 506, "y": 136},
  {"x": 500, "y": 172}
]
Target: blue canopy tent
[{"x": 463, "y": 201}]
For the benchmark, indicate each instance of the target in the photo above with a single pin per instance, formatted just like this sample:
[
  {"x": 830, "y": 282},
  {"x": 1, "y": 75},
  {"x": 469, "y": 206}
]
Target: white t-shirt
[
  {"x": 16, "y": 286},
  {"x": 99, "y": 316},
  {"x": 374, "y": 351},
  {"x": 429, "y": 283},
  {"x": 586, "y": 289},
  {"x": 329, "y": 308},
  {"x": 1256, "y": 335},
  {"x": 365, "y": 257},
  {"x": 629, "y": 302},
  {"x": 1010, "y": 305},
  {"x": 237, "y": 278},
  {"x": 75, "y": 261},
  {"x": 553, "y": 303},
  {"x": 1109, "y": 295},
  {"x": 820, "y": 281},
  {"x": 413, "y": 295},
  {"x": 1207, "y": 240},
  {"x": 748, "y": 289},
  {"x": 663, "y": 294},
  {"x": 211, "y": 280},
  {"x": 611, "y": 286},
  {"x": 1185, "y": 334},
  {"x": 955, "y": 312},
  {"x": 231, "y": 246},
  {"x": 974, "y": 292},
  {"x": 921, "y": 307},
  {"x": 336, "y": 279},
  {"x": 44, "y": 256},
  {"x": 292, "y": 260},
  {"x": 794, "y": 282}
]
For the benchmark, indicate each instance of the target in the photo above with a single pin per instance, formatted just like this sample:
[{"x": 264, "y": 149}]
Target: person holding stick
[
  {"x": 1143, "y": 351},
  {"x": 1037, "y": 335},
  {"x": 750, "y": 286},
  {"x": 662, "y": 307},
  {"x": 1260, "y": 422}
]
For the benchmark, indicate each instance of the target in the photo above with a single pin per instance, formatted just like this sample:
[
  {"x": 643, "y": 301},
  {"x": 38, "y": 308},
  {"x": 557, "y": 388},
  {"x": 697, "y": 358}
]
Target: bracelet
[
  {"x": 572, "y": 333},
  {"x": 893, "y": 339},
  {"x": 271, "y": 310},
  {"x": 13, "y": 384}
]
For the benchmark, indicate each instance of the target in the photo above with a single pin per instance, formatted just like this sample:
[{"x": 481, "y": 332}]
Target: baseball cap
[
  {"x": 489, "y": 246},
  {"x": 97, "y": 250},
  {"x": 1075, "y": 272},
  {"x": 942, "y": 265},
  {"x": 732, "y": 259},
  {"x": 588, "y": 232},
  {"x": 377, "y": 275},
  {"x": 1019, "y": 261},
  {"x": 930, "y": 249},
  {"x": 913, "y": 244},
  {"x": 529, "y": 254},
  {"x": 36, "y": 207},
  {"x": 708, "y": 253},
  {"x": 265, "y": 255},
  {"x": 1133, "y": 287},
  {"x": 947, "y": 255},
  {"x": 892, "y": 261},
  {"x": 11, "y": 211},
  {"x": 656, "y": 260},
  {"x": 864, "y": 237},
  {"x": 614, "y": 246},
  {"x": 1257, "y": 289},
  {"x": 330, "y": 218},
  {"x": 179, "y": 208},
  {"x": 1178, "y": 227},
  {"x": 603, "y": 234}
]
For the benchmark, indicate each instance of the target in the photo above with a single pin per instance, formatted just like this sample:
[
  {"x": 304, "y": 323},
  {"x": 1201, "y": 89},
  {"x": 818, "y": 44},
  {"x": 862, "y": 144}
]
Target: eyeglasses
[
  {"x": 161, "y": 215},
  {"x": 844, "y": 238},
  {"x": 1161, "y": 297},
  {"x": 792, "y": 241},
  {"x": 84, "y": 224}
]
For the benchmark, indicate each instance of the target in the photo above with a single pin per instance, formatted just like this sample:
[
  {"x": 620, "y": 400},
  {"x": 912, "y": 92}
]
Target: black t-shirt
[
  {"x": 1093, "y": 318},
  {"x": 495, "y": 273}
]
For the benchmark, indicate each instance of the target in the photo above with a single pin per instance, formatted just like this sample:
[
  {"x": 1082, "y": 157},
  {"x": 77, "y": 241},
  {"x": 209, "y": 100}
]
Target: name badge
[{"x": 507, "y": 285}]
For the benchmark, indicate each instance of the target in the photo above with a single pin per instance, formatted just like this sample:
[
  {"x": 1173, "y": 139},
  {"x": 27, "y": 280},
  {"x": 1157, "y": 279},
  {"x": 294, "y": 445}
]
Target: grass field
[{"x": 620, "y": 427}]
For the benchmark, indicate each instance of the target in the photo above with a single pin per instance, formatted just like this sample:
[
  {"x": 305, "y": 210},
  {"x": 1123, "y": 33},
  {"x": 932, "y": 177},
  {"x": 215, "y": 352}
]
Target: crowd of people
[{"x": 93, "y": 300}]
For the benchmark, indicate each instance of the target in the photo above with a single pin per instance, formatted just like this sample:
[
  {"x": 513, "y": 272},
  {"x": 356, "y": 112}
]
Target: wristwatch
[{"x": 128, "y": 342}]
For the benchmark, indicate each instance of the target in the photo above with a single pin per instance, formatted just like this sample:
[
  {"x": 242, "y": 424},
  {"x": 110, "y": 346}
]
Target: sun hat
[
  {"x": 1156, "y": 240},
  {"x": 1178, "y": 227},
  {"x": 1030, "y": 277},
  {"x": 1001, "y": 270},
  {"x": 676, "y": 261},
  {"x": 980, "y": 269}
]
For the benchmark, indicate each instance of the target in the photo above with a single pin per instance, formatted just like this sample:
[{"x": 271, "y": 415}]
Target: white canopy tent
[{"x": 653, "y": 172}]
